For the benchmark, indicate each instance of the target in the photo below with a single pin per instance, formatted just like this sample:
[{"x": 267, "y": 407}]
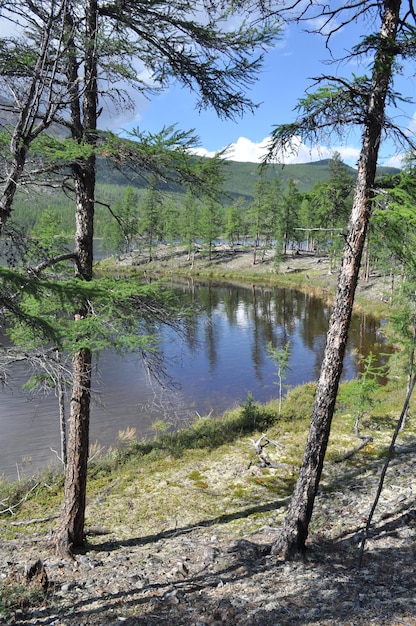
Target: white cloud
[
  {"x": 248, "y": 151},
  {"x": 411, "y": 127},
  {"x": 394, "y": 161}
]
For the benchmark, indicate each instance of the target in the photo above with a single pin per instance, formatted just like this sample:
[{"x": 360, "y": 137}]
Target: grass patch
[
  {"x": 298, "y": 403},
  {"x": 279, "y": 485},
  {"x": 16, "y": 596},
  {"x": 207, "y": 474}
]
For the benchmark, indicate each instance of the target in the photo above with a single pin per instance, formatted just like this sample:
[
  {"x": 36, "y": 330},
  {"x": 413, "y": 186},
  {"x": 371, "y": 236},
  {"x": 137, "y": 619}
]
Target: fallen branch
[
  {"x": 264, "y": 458},
  {"x": 264, "y": 441},
  {"x": 11, "y": 508},
  {"x": 35, "y": 520},
  {"x": 365, "y": 441}
]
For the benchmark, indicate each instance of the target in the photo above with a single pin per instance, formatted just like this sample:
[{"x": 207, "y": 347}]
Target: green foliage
[
  {"x": 287, "y": 219},
  {"x": 236, "y": 222},
  {"x": 281, "y": 358},
  {"x": 327, "y": 206},
  {"x": 210, "y": 224},
  {"x": 298, "y": 403},
  {"x": 402, "y": 320},
  {"x": 60, "y": 150},
  {"x": 237, "y": 189},
  {"x": 393, "y": 226},
  {"x": 263, "y": 214},
  {"x": 122, "y": 313},
  {"x": 121, "y": 231},
  {"x": 189, "y": 223},
  {"x": 359, "y": 396},
  {"x": 151, "y": 213},
  {"x": 334, "y": 107},
  {"x": 207, "y": 432},
  {"x": 48, "y": 233},
  {"x": 250, "y": 410}
]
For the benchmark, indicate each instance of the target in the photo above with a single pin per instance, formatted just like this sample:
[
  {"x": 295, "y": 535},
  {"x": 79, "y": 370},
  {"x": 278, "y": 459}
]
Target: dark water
[{"x": 219, "y": 360}]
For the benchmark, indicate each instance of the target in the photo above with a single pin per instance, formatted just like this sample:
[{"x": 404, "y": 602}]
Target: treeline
[{"x": 132, "y": 216}]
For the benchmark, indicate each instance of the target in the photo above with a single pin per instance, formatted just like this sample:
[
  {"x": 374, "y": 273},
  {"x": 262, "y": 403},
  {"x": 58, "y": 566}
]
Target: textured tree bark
[
  {"x": 71, "y": 529},
  {"x": 292, "y": 539},
  {"x": 70, "y": 533}
]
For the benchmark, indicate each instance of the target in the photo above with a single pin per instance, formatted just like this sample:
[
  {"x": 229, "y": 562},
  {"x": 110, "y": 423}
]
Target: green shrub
[{"x": 298, "y": 403}]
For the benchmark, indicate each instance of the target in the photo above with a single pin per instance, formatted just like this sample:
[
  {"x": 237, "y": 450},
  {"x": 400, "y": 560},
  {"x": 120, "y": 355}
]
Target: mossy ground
[{"x": 208, "y": 474}]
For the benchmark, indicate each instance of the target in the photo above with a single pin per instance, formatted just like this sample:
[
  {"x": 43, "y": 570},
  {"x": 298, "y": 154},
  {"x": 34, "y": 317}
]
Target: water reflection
[{"x": 221, "y": 357}]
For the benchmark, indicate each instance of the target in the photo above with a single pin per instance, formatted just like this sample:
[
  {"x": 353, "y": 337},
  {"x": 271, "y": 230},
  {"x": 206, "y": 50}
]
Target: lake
[{"x": 220, "y": 359}]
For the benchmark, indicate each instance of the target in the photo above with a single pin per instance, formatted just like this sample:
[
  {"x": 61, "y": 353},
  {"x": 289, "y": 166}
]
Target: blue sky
[
  {"x": 288, "y": 68},
  {"x": 287, "y": 71}
]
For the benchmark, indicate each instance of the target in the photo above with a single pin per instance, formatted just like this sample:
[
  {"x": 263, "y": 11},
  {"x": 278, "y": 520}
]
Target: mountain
[{"x": 241, "y": 177}]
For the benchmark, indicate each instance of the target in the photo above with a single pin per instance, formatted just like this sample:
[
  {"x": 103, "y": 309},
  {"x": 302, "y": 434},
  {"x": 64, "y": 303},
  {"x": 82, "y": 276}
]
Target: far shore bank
[{"x": 309, "y": 271}]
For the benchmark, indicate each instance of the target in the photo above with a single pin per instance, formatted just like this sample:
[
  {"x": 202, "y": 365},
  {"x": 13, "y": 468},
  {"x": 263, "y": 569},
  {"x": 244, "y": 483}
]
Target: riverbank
[{"x": 179, "y": 530}]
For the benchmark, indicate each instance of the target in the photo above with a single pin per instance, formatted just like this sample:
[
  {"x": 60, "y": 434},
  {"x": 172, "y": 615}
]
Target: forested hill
[{"x": 240, "y": 178}]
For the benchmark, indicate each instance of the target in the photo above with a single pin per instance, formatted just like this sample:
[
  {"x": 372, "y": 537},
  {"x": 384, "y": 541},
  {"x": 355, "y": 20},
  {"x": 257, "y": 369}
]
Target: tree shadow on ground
[
  {"x": 246, "y": 586},
  {"x": 242, "y": 584},
  {"x": 215, "y": 521}
]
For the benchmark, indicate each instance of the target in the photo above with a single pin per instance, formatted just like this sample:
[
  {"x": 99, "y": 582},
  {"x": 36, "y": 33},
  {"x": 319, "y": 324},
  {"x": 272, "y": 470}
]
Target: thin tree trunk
[
  {"x": 60, "y": 383},
  {"x": 256, "y": 245},
  {"x": 291, "y": 541},
  {"x": 71, "y": 529},
  {"x": 70, "y": 533}
]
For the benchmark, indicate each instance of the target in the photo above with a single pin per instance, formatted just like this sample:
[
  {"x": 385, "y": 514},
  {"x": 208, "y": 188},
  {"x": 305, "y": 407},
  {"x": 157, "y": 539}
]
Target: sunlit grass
[{"x": 208, "y": 473}]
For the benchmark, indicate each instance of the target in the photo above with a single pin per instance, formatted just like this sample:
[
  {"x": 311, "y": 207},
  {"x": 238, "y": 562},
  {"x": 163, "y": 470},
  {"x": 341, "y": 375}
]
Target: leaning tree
[{"x": 336, "y": 106}]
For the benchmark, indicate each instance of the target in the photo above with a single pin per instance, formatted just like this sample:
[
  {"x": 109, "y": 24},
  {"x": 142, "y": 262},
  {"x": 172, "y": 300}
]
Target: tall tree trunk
[
  {"x": 291, "y": 541},
  {"x": 70, "y": 533},
  {"x": 71, "y": 528}
]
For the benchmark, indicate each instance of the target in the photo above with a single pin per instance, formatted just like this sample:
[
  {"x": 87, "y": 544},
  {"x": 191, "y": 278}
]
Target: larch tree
[
  {"x": 122, "y": 228},
  {"x": 33, "y": 95},
  {"x": 150, "y": 223},
  {"x": 264, "y": 214},
  {"x": 288, "y": 218},
  {"x": 336, "y": 105},
  {"x": 105, "y": 51}
]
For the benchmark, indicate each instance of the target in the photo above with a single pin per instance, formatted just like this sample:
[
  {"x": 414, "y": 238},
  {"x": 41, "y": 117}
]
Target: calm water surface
[{"x": 221, "y": 358}]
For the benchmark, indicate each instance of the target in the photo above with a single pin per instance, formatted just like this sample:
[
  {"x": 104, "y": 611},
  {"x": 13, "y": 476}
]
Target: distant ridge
[{"x": 242, "y": 176}]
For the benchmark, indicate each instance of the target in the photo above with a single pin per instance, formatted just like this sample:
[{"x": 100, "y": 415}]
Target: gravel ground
[
  {"x": 239, "y": 260},
  {"x": 202, "y": 575}
]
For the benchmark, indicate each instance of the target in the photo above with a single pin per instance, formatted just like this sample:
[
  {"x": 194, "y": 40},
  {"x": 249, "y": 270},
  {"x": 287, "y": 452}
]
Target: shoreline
[
  {"x": 305, "y": 271},
  {"x": 183, "y": 535}
]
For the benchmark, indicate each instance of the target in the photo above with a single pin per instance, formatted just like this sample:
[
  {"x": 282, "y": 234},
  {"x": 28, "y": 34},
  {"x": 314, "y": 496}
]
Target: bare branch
[
  {"x": 53, "y": 261},
  {"x": 10, "y": 509}
]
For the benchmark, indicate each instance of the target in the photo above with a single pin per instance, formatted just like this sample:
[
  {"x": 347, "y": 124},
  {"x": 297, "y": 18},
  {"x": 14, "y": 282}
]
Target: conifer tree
[
  {"x": 64, "y": 62},
  {"x": 337, "y": 104}
]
